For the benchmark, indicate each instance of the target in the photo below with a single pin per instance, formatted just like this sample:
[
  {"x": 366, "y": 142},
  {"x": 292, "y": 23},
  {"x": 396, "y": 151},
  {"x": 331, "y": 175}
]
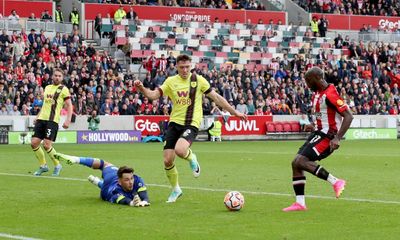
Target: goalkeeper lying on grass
[{"x": 118, "y": 185}]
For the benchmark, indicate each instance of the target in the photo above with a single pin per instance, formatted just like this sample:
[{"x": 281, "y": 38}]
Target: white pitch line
[
  {"x": 6, "y": 235},
  {"x": 216, "y": 189}
]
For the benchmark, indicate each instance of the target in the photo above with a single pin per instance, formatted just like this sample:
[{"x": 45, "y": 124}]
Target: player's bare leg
[
  {"x": 299, "y": 182},
  {"x": 302, "y": 163},
  {"x": 320, "y": 172}
]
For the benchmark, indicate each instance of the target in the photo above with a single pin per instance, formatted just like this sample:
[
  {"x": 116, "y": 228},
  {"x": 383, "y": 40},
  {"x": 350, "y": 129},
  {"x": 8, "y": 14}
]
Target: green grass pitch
[{"x": 69, "y": 207}]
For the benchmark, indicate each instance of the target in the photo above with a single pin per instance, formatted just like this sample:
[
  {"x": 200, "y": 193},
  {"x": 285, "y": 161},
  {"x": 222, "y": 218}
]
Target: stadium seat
[
  {"x": 278, "y": 127},
  {"x": 270, "y": 127},
  {"x": 287, "y": 127},
  {"x": 136, "y": 54},
  {"x": 295, "y": 126},
  {"x": 121, "y": 40}
]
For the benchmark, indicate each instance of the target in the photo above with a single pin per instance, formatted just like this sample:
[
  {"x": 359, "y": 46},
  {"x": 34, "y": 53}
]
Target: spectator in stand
[
  {"x": 3, "y": 111},
  {"x": 242, "y": 107},
  {"x": 161, "y": 63},
  {"x": 59, "y": 16},
  {"x": 46, "y": 16},
  {"x": 32, "y": 17},
  {"x": 314, "y": 26},
  {"x": 171, "y": 59},
  {"x": 323, "y": 26},
  {"x": 119, "y": 14},
  {"x": 338, "y": 41},
  {"x": 131, "y": 15},
  {"x": 259, "y": 111},
  {"x": 14, "y": 111},
  {"x": 18, "y": 49},
  {"x": 150, "y": 64},
  {"x": 97, "y": 24},
  {"x": 74, "y": 17},
  {"x": 305, "y": 124},
  {"x": 13, "y": 18}
]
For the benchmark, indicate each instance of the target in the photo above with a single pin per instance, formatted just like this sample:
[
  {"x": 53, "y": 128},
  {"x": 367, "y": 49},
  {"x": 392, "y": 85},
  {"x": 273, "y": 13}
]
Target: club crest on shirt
[
  {"x": 186, "y": 133},
  {"x": 339, "y": 102},
  {"x": 193, "y": 84},
  {"x": 58, "y": 90}
]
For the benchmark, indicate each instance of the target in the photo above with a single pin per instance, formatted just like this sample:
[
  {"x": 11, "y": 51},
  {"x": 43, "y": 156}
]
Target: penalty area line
[
  {"x": 215, "y": 189},
  {"x": 10, "y": 236}
]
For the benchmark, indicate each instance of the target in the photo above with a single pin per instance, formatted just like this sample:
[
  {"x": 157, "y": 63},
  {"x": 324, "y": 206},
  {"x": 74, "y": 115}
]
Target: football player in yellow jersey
[
  {"x": 186, "y": 92},
  {"x": 55, "y": 97}
]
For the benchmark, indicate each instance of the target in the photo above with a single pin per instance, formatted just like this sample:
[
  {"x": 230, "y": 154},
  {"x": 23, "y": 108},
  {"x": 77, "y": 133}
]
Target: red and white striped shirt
[{"x": 327, "y": 106}]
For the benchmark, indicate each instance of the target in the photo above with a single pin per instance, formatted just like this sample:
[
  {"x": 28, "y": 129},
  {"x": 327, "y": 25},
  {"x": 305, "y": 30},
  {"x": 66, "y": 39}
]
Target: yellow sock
[
  {"x": 188, "y": 155},
  {"x": 172, "y": 174},
  {"x": 39, "y": 153},
  {"x": 51, "y": 153}
]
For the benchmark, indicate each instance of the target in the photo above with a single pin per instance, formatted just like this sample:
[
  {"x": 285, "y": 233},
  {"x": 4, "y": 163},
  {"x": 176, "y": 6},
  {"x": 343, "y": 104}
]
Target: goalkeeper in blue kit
[{"x": 118, "y": 185}]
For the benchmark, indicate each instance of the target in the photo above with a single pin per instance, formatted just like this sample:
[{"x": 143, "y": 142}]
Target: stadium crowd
[
  {"x": 231, "y": 4},
  {"x": 367, "y": 79},
  {"x": 352, "y": 7}
]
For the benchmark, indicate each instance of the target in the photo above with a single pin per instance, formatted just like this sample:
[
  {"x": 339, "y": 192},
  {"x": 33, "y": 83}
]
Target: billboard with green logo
[
  {"x": 371, "y": 133},
  {"x": 25, "y": 137}
]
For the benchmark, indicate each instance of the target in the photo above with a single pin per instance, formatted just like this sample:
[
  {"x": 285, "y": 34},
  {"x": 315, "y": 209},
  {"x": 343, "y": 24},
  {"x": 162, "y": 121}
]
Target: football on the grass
[{"x": 234, "y": 201}]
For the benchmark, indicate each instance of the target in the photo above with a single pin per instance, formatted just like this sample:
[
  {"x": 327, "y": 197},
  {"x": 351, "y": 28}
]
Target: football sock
[
  {"x": 86, "y": 161},
  {"x": 332, "y": 179},
  {"x": 39, "y": 153},
  {"x": 51, "y": 153},
  {"x": 298, "y": 187},
  {"x": 321, "y": 173},
  {"x": 188, "y": 155},
  {"x": 172, "y": 174}
]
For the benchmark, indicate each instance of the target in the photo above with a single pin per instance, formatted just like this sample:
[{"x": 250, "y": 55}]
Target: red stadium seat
[
  {"x": 136, "y": 54},
  {"x": 295, "y": 126},
  {"x": 146, "y": 40},
  {"x": 267, "y": 55},
  {"x": 273, "y": 44},
  {"x": 198, "y": 54},
  {"x": 118, "y": 27},
  {"x": 156, "y": 28},
  {"x": 222, "y": 54},
  {"x": 270, "y": 127},
  {"x": 256, "y": 56},
  {"x": 287, "y": 127},
  {"x": 278, "y": 127},
  {"x": 121, "y": 41}
]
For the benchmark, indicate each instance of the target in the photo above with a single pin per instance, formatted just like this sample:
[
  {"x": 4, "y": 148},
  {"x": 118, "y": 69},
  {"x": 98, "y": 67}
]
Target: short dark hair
[
  {"x": 59, "y": 70},
  {"x": 183, "y": 58},
  {"x": 124, "y": 169}
]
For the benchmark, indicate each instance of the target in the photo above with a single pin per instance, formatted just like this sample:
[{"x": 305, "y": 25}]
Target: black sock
[
  {"x": 299, "y": 185},
  {"x": 321, "y": 173}
]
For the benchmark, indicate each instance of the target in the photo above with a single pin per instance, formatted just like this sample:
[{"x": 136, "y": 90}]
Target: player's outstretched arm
[
  {"x": 68, "y": 105},
  {"x": 151, "y": 94},
  {"x": 220, "y": 101},
  {"x": 141, "y": 199}
]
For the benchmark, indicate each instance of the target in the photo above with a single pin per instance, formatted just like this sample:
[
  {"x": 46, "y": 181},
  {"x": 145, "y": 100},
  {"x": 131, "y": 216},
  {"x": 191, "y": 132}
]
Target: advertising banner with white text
[
  {"x": 356, "y": 22},
  {"x": 371, "y": 133},
  {"x": 181, "y": 14},
  {"x": 254, "y": 126},
  {"x": 149, "y": 125}
]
